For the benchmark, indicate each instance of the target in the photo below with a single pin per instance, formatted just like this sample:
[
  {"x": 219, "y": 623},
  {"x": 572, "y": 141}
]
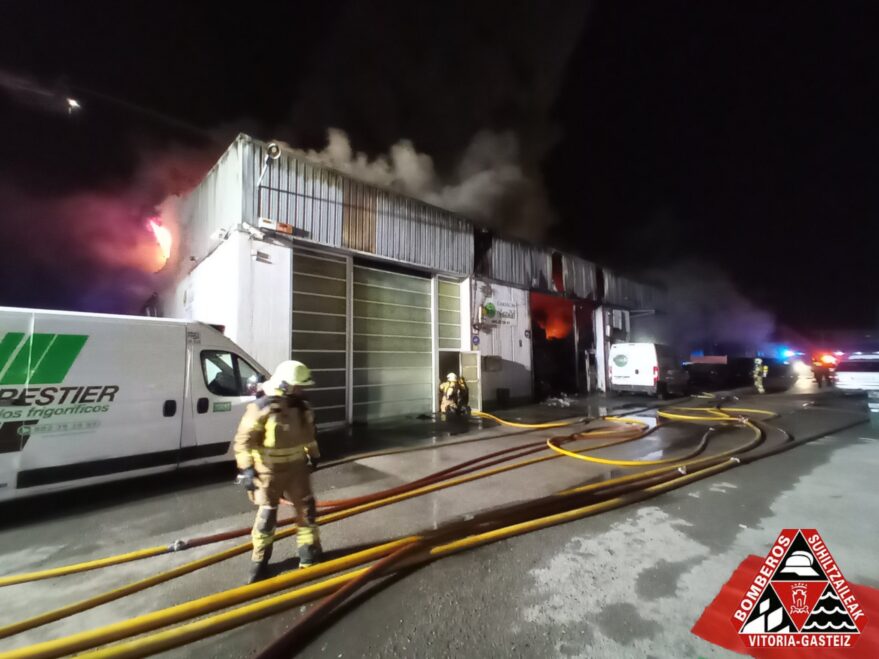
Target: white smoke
[{"x": 488, "y": 184}]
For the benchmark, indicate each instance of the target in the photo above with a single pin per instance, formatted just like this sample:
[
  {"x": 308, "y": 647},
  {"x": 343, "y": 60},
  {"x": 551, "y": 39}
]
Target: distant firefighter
[
  {"x": 822, "y": 369},
  {"x": 760, "y": 372}
]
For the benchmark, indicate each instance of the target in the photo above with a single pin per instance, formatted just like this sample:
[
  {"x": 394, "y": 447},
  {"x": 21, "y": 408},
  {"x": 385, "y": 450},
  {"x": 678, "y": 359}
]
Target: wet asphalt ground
[{"x": 627, "y": 583}]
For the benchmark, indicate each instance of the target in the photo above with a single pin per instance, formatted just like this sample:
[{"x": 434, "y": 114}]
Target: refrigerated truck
[{"x": 88, "y": 398}]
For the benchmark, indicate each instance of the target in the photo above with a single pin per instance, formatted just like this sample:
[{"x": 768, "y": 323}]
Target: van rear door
[
  {"x": 633, "y": 364},
  {"x": 105, "y": 395}
]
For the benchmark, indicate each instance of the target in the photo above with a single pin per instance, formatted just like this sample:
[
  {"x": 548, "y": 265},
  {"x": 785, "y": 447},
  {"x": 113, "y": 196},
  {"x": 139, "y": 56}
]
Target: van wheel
[{"x": 662, "y": 391}]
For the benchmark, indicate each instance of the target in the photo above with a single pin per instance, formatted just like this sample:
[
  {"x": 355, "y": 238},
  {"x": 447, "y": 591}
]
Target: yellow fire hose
[
  {"x": 158, "y": 550},
  {"x": 175, "y": 637},
  {"x": 82, "y": 567},
  {"x": 714, "y": 415},
  {"x": 236, "y": 617},
  {"x": 334, "y": 564},
  {"x": 143, "y": 584}
]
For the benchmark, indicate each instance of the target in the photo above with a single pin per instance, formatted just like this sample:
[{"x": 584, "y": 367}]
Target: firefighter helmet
[{"x": 289, "y": 374}]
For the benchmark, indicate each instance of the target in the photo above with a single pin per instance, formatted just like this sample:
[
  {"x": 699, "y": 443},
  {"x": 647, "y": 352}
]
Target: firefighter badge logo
[{"x": 799, "y": 598}]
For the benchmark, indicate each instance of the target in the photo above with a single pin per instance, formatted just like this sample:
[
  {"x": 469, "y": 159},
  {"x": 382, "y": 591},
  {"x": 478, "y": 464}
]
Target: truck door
[{"x": 222, "y": 383}]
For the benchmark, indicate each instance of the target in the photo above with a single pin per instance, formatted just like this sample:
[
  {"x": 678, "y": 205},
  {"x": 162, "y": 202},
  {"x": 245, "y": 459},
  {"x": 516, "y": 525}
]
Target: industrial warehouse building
[{"x": 381, "y": 294}]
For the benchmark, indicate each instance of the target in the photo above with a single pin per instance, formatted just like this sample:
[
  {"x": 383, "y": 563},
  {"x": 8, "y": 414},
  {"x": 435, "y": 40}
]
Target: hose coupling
[
  {"x": 178, "y": 545},
  {"x": 682, "y": 470},
  {"x": 737, "y": 461}
]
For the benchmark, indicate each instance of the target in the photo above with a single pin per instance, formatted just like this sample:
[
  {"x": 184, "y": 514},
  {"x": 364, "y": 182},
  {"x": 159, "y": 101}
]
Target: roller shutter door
[
  {"x": 320, "y": 329},
  {"x": 392, "y": 351}
]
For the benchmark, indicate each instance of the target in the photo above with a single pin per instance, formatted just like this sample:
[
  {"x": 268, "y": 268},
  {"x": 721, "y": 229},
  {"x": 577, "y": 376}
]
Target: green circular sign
[
  {"x": 620, "y": 360},
  {"x": 489, "y": 309}
]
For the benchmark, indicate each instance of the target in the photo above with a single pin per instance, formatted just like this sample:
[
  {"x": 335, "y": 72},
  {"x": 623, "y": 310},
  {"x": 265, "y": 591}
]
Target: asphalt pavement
[{"x": 627, "y": 583}]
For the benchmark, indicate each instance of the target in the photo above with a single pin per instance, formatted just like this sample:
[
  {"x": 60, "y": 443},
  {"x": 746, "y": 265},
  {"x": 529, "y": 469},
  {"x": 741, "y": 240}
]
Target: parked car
[
  {"x": 781, "y": 375},
  {"x": 858, "y": 373}
]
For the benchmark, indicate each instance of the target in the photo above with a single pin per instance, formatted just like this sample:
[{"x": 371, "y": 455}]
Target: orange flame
[
  {"x": 163, "y": 239},
  {"x": 552, "y": 314}
]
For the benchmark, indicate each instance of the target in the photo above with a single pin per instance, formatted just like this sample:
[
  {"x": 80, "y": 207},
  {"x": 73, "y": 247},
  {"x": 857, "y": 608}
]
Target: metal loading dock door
[
  {"x": 392, "y": 351},
  {"x": 320, "y": 322}
]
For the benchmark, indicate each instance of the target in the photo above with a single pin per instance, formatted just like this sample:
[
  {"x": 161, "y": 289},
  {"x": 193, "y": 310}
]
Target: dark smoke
[
  {"x": 705, "y": 309},
  {"x": 470, "y": 84},
  {"x": 488, "y": 185}
]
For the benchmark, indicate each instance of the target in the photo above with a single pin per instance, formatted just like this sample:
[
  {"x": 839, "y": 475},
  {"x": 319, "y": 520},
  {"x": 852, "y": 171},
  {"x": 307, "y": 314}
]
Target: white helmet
[{"x": 451, "y": 377}]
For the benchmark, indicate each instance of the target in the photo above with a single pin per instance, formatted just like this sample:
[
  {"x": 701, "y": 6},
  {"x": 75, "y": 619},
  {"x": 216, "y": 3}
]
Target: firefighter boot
[
  {"x": 263, "y": 536},
  {"x": 310, "y": 552},
  {"x": 259, "y": 569}
]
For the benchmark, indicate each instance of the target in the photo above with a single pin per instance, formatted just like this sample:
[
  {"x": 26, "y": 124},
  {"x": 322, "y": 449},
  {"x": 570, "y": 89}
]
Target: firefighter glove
[{"x": 247, "y": 478}]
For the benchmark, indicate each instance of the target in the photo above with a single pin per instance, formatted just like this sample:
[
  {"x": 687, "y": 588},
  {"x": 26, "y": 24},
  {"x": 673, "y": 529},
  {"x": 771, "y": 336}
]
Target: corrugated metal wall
[
  {"x": 214, "y": 204},
  {"x": 541, "y": 269},
  {"x": 328, "y": 208},
  {"x": 511, "y": 262},
  {"x": 580, "y": 277},
  {"x": 530, "y": 266},
  {"x": 632, "y": 294}
]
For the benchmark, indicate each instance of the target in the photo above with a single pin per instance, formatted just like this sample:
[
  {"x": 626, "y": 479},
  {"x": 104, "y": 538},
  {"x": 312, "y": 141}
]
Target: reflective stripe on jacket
[{"x": 274, "y": 432}]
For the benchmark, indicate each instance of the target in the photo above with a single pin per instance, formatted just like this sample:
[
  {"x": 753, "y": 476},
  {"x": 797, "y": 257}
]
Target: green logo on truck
[
  {"x": 33, "y": 368},
  {"x": 39, "y": 359},
  {"x": 620, "y": 360}
]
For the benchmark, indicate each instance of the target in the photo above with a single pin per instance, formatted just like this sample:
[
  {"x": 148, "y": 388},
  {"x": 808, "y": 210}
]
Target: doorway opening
[{"x": 554, "y": 345}]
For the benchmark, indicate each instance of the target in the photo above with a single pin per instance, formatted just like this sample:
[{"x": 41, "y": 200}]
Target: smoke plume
[
  {"x": 471, "y": 84},
  {"x": 488, "y": 184},
  {"x": 705, "y": 309}
]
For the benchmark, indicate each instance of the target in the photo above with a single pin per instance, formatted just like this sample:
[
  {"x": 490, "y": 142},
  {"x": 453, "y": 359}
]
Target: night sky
[{"x": 743, "y": 135}]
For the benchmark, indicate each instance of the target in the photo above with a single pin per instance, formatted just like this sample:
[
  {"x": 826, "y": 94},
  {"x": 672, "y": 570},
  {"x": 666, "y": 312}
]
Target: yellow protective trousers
[{"x": 293, "y": 483}]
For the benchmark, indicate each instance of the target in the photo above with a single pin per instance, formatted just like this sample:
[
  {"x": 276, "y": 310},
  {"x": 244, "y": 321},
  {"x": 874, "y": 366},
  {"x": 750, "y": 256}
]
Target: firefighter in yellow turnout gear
[
  {"x": 454, "y": 396},
  {"x": 759, "y": 373},
  {"x": 276, "y": 449}
]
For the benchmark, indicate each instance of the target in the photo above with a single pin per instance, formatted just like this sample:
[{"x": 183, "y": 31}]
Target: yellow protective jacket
[{"x": 274, "y": 433}]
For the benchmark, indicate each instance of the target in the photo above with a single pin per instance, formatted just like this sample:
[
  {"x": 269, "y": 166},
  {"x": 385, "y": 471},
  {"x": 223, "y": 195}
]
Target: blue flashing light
[{"x": 787, "y": 353}]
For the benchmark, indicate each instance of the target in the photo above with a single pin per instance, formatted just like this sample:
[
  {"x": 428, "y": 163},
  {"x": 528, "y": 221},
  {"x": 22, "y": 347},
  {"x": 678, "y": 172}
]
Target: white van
[
  {"x": 645, "y": 367},
  {"x": 87, "y": 398},
  {"x": 858, "y": 373}
]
